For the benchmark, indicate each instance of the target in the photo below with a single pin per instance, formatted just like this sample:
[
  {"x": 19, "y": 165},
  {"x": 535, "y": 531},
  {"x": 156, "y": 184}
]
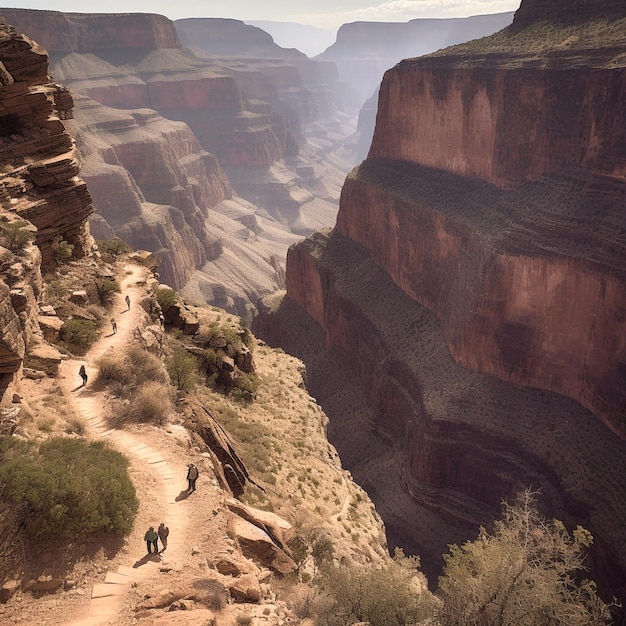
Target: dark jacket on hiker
[{"x": 192, "y": 475}]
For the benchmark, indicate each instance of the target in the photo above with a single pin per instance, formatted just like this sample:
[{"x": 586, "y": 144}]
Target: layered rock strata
[
  {"x": 153, "y": 185},
  {"x": 365, "y": 50},
  {"x": 40, "y": 166},
  {"x": 473, "y": 289},
  {"x": 43, "y": 199}
]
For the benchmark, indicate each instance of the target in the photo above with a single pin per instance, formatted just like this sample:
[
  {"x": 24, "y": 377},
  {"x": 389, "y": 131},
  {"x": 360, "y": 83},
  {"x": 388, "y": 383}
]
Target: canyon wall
[
  {"x": 471, "y": 300},
  {"x": 44, "y": 203},
  {"x": 365, "y": 50},
  {"x": 164, "y": 130}
]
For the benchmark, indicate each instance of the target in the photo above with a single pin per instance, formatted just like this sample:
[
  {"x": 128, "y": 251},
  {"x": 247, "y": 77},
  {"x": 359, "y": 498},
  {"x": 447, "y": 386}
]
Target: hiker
[
  {"x": 192, "y": 475},
  {"x": 152, "y": 540},
  {"x": 127, "y": 299},
  {"x": 83, "y": 374},
  {"x": 163, "y": 532},
  {"x": 113, "y": 325}
]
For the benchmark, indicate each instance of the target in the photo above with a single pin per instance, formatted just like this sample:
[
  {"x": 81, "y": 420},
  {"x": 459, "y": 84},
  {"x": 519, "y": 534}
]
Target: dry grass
[{"x": 281, "y": 437}]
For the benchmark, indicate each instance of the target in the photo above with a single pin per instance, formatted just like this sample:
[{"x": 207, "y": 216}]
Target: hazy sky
[{"x": 323, "y": 13}]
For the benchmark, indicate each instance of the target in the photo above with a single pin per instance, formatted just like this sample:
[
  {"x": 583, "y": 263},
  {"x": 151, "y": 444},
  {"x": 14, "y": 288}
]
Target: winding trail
[{"x": 107, "y": 598}]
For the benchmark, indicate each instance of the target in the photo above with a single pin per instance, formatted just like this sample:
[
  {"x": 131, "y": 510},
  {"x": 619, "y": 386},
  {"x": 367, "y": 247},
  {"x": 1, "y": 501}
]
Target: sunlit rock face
[
  {"x": 466, "y": 316},
  {"x": 40, "y": 171}
]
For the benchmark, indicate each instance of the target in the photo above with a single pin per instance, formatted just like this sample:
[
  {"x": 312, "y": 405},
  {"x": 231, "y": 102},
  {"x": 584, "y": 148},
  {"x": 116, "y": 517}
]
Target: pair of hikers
[{"x": 152, "y": 538}]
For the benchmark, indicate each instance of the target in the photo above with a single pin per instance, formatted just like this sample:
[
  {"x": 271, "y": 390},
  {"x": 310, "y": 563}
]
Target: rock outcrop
[
  {"x": 189, "y": 193},
  {"x": 40, "y": 174},
  {"x": 43, "y": 200},
  {"x": 474, "y": 287}
]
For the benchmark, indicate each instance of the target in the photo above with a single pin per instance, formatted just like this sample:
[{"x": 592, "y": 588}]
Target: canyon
[
  {"x": 463, "y": 322},
  {"x": 461, "y": 317}
]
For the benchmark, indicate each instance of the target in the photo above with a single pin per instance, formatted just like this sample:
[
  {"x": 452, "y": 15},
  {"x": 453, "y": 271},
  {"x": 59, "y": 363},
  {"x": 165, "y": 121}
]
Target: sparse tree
[
  {"x": 182, "y": 368},
  {"x": 391, "y": 594},
  {"x": 527, "y": 572}
]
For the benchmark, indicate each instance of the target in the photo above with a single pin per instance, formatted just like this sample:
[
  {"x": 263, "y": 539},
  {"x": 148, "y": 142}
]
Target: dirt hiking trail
[{"x": 167, "y": 475}]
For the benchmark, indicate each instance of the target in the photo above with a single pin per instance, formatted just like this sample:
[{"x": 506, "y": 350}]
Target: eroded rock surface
[{"x": 473, "y": 290}]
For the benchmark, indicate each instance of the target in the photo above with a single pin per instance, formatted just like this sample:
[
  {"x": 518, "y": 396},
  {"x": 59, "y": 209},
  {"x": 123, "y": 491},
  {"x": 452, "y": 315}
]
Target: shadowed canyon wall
[{"x": 471, "y": 299}]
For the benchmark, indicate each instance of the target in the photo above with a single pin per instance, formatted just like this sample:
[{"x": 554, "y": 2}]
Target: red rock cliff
[
  {"x": 482, "y": 243},
  {"x": 78, "y": 32},
  {"x": 529, "y": 282}
]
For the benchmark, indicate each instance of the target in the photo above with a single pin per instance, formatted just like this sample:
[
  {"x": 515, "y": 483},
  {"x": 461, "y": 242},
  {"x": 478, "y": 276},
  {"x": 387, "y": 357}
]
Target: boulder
[
  {"x": 50, "y": 326},
  {"x": 195, "y": 617},
  {"x": 245, "y": 588},
  {"x": 44, "y": 358},
  {"x": 145, "y": 258},
  {"x": 257, "y": 545},
  {"x": 44, "y": 584},
  {"x": 179, "y": 316},
  {"x": 81, "y": 298},
  {"x": 279, "y": 529},
  {"x": 8, "y": 589}
]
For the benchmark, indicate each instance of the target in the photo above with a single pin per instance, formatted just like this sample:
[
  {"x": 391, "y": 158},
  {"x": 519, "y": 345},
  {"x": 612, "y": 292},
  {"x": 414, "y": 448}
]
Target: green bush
[
  {"x": 15, "y": 236},
  {"x": 182, "y": 368},
  {"x": 67, "y": 488},
  {"x": 78, "y": 335},
  {"x": 63, "y": 250},
  {"x": 113, "y": 246},
  {"x": 166, "y": 298}
]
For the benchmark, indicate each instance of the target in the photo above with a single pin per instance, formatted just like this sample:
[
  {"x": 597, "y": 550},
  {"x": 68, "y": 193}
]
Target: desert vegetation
[{"x": 60, "y": 489}]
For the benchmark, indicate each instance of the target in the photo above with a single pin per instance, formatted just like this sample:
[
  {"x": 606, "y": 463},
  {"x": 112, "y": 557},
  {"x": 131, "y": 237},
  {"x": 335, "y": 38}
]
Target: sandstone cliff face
[
  {"x": 492, "y": 201},
  {"x": 77, "y": 32},
  {"x": 152, "y": 184},
  {"x": 41, "y": 192},
  {"x": 506, "y": 123},
  {"x": 40, "y": 167}
]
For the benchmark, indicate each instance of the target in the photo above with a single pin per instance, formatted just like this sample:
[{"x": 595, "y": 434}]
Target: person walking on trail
[
  {"x": 83, "y": 374},
  {"x": 192, "y": 476},
  {"x": 163, "y": 532},
  {"x": 113, "y": 325},
  {"x": 152, "y": 540},
  {"x": 127, "y": 300}
]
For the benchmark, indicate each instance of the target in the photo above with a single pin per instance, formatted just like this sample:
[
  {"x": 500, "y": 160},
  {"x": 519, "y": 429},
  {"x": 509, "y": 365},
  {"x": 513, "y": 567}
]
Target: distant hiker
[
  {"x": 163, "y": 532},
  {"x": 83, "y": 374},
  {"x": 192, "y": 475},
  {"x": 113, "y": 325},
  {"x": 152, "y": 540},
  {"x": 127, "y": 299}
]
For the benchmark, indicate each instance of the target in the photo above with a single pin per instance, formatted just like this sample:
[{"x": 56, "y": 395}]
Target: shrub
[
  {"x": 151, "y": 403},
  {"x": 145, "y": 366},
  {"x": 106, "y": 289},
  {"x": 166, "y": 298},
  {"x": 67, "y": 488},
  {"x": 78, "y": 335},
  {"x": 527, "y": 571},
  {"x": 113, "y": 246},
  {"x": 386, "y": 595},
  {"x": 63, "y": 250},
  {"x": 15, "y": 235},
  {"x": 182, "y": 368}
]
